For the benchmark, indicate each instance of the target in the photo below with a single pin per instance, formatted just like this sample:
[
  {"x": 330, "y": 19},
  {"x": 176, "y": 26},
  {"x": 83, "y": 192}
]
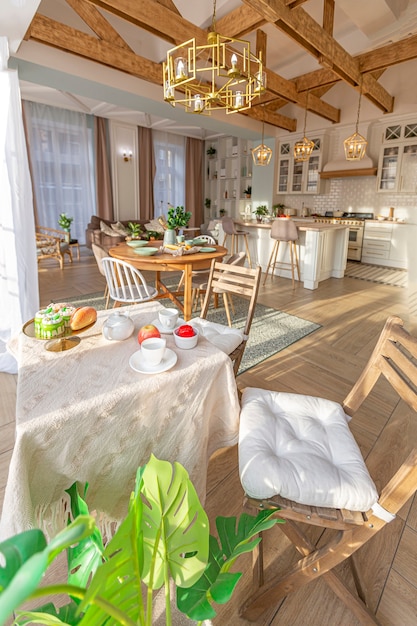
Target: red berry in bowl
[{"x": 185, "y": 331}]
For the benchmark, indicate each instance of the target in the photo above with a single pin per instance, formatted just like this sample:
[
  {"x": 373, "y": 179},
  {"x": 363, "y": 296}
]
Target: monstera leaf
[{"x": 217, "y": 584}]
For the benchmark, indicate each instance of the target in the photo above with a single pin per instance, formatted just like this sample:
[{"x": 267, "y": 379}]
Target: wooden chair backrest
[
  {"x": 395, "y": 358},
  {"x": 235, "y": 280},
  {"x": 124, "y": 281}
]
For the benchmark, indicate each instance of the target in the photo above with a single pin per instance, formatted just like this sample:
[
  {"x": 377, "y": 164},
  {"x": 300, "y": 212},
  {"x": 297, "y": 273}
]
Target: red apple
[
  {"x": 148, "y": 331},
  {"x": 186, "y": 330}
]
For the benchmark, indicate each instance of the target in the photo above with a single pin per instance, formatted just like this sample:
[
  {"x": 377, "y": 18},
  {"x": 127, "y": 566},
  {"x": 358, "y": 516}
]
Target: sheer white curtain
[
  {"x": 169, "y": 182},
  {"x": 61, "y": 152},
  {"x": 19, "y": 297}
]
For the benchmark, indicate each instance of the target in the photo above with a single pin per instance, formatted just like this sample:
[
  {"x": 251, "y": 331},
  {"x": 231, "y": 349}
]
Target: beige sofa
[{"x": 94, "y": 234}]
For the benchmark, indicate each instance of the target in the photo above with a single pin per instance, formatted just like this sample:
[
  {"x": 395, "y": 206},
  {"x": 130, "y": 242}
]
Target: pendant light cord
[
  {"x": 305, "y": 115},
  {"x": 359, "y": 103},
  {"x": 213, "y": 21}
]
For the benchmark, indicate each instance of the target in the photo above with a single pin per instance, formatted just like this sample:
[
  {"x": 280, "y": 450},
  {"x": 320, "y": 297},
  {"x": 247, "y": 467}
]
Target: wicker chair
[{"x": 52, "y": 244}]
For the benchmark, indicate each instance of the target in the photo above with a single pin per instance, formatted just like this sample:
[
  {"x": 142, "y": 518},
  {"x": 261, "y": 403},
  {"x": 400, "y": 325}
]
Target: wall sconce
[{"x": 127, "y": 155}]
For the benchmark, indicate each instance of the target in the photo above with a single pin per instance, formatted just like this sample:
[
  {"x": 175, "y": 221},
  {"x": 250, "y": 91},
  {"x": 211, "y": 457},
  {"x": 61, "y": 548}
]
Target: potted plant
[
  {"x": 278, "y": 209},
  {"x": 154, "y": 545},
  {"x": 248, "y": 191},
  {"x": 135, "y": 230},
  {"x": 261, "y": 211},
  {"x": 222, "y": 212},
  {"x": 211, "y": 151},
  {"x": 207, "y": 203},
  {"x": 65, "y": 222},
  {"x": 178, "y": 217}
]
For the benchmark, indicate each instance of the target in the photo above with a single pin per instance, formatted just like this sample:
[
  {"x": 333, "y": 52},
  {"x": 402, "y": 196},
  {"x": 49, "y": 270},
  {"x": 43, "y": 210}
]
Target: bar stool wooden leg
[{"x": 272, "y": 260}]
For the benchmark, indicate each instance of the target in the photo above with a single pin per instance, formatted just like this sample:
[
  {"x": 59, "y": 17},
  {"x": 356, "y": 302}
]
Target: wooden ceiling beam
[
  {"x": 155, "y": 18},
  {"x": 301, "y": 27},
  {"x": 240, "y": 22},
  {"x": 100, "y": 26},
  {"x": 47, "y": 31}
]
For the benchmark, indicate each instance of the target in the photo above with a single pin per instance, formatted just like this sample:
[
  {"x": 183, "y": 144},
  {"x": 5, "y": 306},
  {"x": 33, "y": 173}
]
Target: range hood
[{"x": 341, "y": 168}]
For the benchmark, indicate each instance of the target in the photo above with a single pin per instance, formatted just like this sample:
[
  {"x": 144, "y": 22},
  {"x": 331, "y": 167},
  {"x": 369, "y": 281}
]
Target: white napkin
[
  {"x": 180, "y": 251},
  {"x": 223, "y": 337}
]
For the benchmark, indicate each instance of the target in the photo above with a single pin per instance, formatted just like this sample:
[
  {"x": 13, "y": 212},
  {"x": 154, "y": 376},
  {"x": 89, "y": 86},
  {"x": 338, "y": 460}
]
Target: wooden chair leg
[
  {"x": 292, "y": 264},
  {"x": 247, "y": 250},
  {"x": 226, "y": 306}
]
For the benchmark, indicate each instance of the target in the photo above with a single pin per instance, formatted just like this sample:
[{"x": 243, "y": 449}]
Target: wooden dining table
[{"x": 165, "y": 262}]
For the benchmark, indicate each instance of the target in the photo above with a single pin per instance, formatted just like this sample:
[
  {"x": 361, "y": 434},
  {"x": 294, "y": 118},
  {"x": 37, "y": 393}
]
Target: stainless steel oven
[{"x": 356, "y": 223}]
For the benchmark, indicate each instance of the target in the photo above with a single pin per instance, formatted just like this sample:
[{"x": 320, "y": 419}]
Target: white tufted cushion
[
  {"x": 301, "y": 448},
  {"x": 223, "y": 337}
]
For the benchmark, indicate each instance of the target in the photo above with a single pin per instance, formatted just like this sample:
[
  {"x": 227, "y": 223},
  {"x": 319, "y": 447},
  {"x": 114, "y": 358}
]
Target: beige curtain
[
  {"x": 194, "y": 150},
  {"x": 147, "y": 171},
  {"x": 104, "y": 196}
]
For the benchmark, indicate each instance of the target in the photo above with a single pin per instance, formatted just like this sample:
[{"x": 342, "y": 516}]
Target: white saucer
[
  {"x": 138, "y": 364},
  {"x": 167, "y": 331}
]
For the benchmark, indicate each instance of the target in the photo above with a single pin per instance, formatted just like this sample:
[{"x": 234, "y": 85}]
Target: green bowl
[
  {"x": 145, "y": 251},
  {"x": 137, "y": 243}
]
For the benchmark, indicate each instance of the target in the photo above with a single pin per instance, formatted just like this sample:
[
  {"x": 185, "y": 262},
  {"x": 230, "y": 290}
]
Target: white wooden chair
[
  {"x": 297, "y": 453},
  {"x": 205, "y": 239},
  {"x": 99, "y": 254},
  {"x": 126, "y": 283}
]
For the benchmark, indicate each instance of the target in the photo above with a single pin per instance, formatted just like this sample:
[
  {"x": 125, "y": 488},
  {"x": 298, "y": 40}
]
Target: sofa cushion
[
  {"x": 120, "y": 229},
  {"x": 155, "y": 226},
  {"x": 108, "y": 230}
]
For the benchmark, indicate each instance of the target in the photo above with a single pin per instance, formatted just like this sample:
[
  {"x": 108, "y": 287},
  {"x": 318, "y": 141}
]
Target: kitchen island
[{"x": 322, "y": 249}]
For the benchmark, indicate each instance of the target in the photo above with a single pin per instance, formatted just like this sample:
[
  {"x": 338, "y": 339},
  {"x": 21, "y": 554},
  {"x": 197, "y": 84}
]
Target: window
[
  {"x": 61, "y": 153},
  {"x": 169, "y": 183}
]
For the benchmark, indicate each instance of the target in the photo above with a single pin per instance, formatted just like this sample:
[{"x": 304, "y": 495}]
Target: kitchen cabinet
[
  {"x": 228, "y": 175},
  {"x": 397, "y": 167},
  {"x": 385, "y": 243},
  {"x": 300, "y": 177}
]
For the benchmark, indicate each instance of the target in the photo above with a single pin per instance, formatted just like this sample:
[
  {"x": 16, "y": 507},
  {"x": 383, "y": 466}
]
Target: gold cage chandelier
[
  {"x": 262, "y": 155},
  {"x": 304, "y": 147},
  {"x": 222, "y": 74},
  {"x": 355, "y": 145}
]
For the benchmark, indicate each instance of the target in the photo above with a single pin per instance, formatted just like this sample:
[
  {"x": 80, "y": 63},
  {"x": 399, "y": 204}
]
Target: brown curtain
[
  {"x": 147, "y": 171},
  {"x": 104, "y": 196},
  {"x": 194, "y": 150}
]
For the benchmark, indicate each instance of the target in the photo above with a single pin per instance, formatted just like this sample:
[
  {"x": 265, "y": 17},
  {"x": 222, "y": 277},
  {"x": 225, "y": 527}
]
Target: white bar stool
[
  {"x": 283, "y": 229},
  {"x": 229, "y": 228}
]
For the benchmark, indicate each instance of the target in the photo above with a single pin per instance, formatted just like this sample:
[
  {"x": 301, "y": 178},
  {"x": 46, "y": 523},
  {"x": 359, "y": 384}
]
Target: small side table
[{"x": 74, "y": 244}]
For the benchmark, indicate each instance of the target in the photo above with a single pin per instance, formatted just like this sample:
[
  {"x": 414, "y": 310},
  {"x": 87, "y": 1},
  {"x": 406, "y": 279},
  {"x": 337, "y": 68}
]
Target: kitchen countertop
[{"x": 302, "y": 224}]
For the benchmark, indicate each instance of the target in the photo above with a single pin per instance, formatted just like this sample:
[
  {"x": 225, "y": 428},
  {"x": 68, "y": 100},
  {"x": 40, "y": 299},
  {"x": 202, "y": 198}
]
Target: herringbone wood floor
[{"x": 352, "y": 313}]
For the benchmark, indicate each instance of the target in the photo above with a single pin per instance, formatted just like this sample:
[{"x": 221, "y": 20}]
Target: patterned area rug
[
  {"x": 377, "y": 274},
  {"x": 271, "y": 330}
]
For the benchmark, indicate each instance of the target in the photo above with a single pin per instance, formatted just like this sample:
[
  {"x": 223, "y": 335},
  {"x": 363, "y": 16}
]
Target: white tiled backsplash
[{"x": 355, "y": 194}]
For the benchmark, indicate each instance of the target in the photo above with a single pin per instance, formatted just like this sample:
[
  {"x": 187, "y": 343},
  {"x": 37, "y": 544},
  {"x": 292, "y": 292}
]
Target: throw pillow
[
  {"x": 108, "y": 230},
  {"x": 155, "y": 226},
  {"x": 120, "y": 229}
]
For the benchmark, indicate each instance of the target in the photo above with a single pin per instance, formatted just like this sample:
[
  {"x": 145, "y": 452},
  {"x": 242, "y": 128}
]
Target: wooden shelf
[{"x": 369, "y": 171}]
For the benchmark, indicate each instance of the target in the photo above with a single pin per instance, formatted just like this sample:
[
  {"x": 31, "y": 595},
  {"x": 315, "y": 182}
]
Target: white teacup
[
  {"x": 168, "y": 318},
  {"x": 153, "y": 350}
]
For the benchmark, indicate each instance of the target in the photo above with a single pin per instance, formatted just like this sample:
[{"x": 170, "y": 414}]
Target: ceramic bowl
[
  {"x": 145, "y": 251},
  {"x": 137, "y": 243},
  {"x": 186, "y": 343}
]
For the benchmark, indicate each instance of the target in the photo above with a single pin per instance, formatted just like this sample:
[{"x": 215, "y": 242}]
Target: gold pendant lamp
[
  {"x": 355, "y": 145},
  {"x": 262, "y": 155},
  {"x": 303, "y": 148}
]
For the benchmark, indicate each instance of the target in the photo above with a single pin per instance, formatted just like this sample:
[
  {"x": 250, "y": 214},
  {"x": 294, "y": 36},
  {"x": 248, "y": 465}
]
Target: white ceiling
[{"x": 359, "y": 26}]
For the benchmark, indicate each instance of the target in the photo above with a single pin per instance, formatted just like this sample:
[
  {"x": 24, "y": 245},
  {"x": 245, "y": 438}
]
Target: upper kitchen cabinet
[
  {"x": 300, "y": 177},
  {"x": 397, "y": 168}
]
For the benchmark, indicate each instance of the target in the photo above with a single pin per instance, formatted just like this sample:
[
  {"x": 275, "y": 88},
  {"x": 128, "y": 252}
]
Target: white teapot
[{"x": 117, "y": 327}]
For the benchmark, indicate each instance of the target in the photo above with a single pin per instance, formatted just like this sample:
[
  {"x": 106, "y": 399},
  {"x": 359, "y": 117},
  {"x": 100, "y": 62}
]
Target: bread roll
[{"x": 82, "y": 317}]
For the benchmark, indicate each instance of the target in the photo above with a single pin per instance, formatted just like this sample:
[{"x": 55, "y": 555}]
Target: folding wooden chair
[
  {"x": 395, "y": 358},
  {"x": 243, "y": 282}
]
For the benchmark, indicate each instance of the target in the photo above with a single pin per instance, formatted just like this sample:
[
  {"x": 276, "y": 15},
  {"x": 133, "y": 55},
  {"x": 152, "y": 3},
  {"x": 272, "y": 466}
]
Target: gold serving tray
[{"x": 66, "y": 341}]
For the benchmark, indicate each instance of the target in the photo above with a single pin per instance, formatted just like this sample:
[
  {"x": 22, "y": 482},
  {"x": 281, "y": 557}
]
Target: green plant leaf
[
  {"x": 27, "y": 578},
  {"x": 118, "y": 579},
  {"x": 216, "y": 584},
  {"x": 51, "y": 616},
  {"x": 17, "y": 550},
  {"x": 175, "y": 525},
  {"x": 86, "y": 556}
]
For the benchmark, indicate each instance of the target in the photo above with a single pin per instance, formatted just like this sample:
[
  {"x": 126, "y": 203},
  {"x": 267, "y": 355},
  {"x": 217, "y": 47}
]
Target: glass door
[{"x": 389, "y": 168}]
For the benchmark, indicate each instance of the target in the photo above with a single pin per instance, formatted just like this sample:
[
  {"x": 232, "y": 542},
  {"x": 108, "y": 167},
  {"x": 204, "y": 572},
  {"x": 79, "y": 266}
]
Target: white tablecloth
[{"x": 84, "y": 415}]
